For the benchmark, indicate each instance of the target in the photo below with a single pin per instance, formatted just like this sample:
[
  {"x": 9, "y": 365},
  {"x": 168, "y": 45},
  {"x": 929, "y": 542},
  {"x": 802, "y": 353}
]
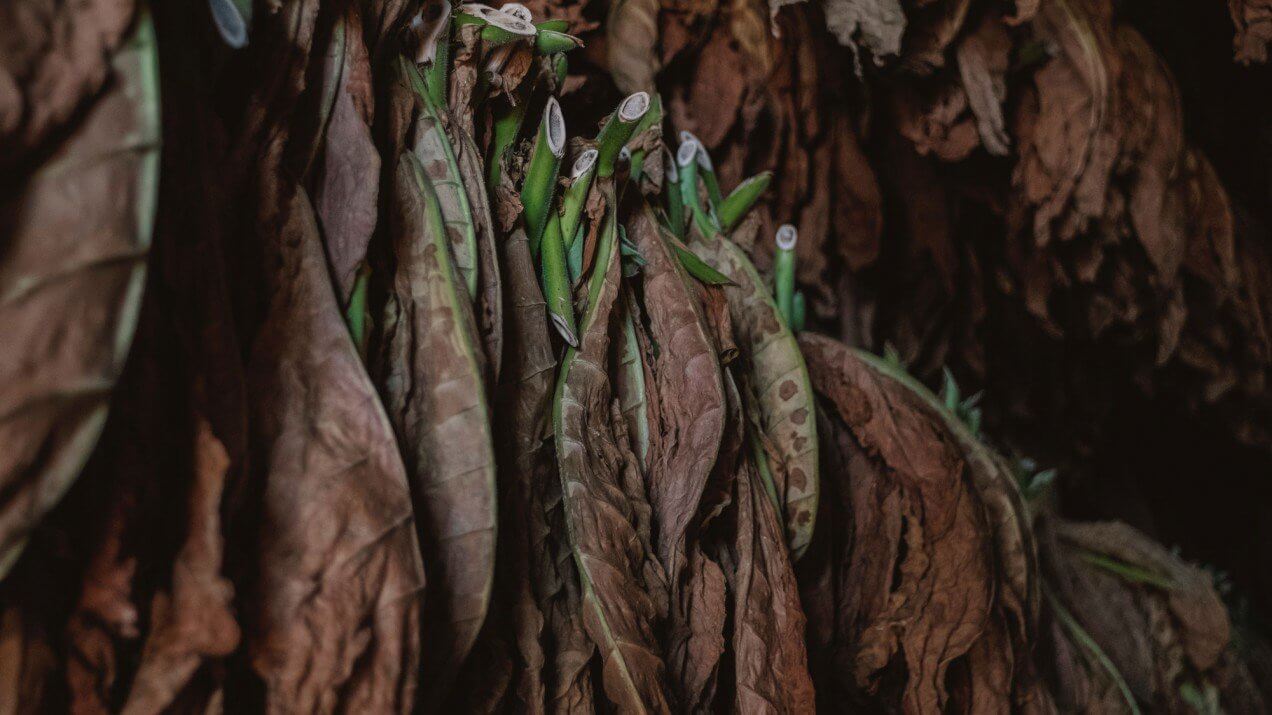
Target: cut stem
[
  {"x": 233, "y": 19},
  {"x": 541, "y": 175},
  {"x": 575, "y": 196},
  {"x": 556, "y": 281},
  {"x": 651, "y": 118},
  {"x": 784, "y": 271},
  {"x": 617, "y": 130}
]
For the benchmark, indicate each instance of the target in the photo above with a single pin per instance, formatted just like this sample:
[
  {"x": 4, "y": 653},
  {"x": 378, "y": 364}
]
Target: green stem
[
  {"x": 556, "y": 281},
  {"x": 652, "y": 117},
  {"x": 687, "y": 162},
  {"x": 575, "y": 196},
  {"x": 356, "y": 313},
  {"x": 706, "y": 169},
  {"x": 541, "y": 176},
  {"x": 507, "y": 124},
  {"x": 784, "y": 271},
  {"x": 437, "y": 71},
  {"x": 800, "y": 310},
  {"x": 617, "y": 130},
  {"x": 553, "y": 25},
  {"x": 675, "y": 202},
  {"x": 741, "y": 199}
]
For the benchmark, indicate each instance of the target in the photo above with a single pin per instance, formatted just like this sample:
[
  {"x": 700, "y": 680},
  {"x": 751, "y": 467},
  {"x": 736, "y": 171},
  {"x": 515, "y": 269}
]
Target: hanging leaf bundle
[{"x": 444, "y": 357}]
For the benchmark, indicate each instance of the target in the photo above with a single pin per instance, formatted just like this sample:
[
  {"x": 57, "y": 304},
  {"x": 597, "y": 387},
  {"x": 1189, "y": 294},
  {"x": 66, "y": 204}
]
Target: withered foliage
[{"x": 323, "y": 449}]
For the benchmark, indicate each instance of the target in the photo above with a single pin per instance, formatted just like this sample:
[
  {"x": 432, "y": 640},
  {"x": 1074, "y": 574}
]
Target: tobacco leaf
[
  {"x": 335, "y": 606},
  {"x": 686, "y": 379},
  {"x": 430, "y": 375},
  {"x": 1199, "y": 618},
  {"x": 630, "y": 378},
  {"x": 56, "y": 59},
  {"x": 77, "y": 232},
  {"x": 488, "y": 303},
  {"x": 775, "y": 371},
  {"x": 875, "y": 26},
  {"x": 569, "y": 683},
  {"x": 347, "y": 193},
  {"x": 769, "y": 657},
  {"x": 195, "y": 620},
  {"x": 433, "y": 148},
  {"x": 523, "y": 400},
  {"x": 618, "y": 609},
  {"x": 631, "y": 40},
  {"x": 1253, "y": 21},
  {"x": 915, "y": 588}
]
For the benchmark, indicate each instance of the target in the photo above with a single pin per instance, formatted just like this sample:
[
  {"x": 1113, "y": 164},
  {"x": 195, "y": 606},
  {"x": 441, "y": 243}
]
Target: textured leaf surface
[
  {"x": 432, "y": 384},
  {"x": 72, "y": 273},
  {"x": 339, "y": 581},
  {"x": 777, "y": 375},
  {"x": 346, "y": 199},
  {"x": 618, "y": 611}
]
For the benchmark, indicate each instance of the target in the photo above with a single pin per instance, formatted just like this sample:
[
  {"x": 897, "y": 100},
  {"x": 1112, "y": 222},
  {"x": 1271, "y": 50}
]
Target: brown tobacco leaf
[
  {"x": 430, "y": 375},
  {"x": 347, "y": 193},
  {"x": 521, "y": 417},
  {"x": 1199, "y": 620},
  {"x": 875, "y": 26},
  {"x": 618, "y": 609},
  {"x": 1253, "y": 21},
  {"x": 569, "y": 683},
  {"x": 631, "y": 40},
  {"x": 336, "y": 603},
  {"x": 686, "y": 379},
  {"x": 488, "y": 304},
  {"x": 914, "y": 585},
  {"x": 56, "y": 58},
  {"x": 195, "y": 620},
  {"x": 769, "y": 657},
  {"x": 27, "y": 662},
  {"x": 775, "y": 371},
  {"x": 77, "y": 232}
]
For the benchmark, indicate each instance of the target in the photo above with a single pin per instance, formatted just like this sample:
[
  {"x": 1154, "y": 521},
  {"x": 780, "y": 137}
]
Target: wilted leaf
[
  {"x": 335, "y": 604},
  {"x": 916, "y": 583},
  {"x": 349, "y": 186},
  {"x": 873, "y": 25},
  {"x": 488, "y": 303},
  {"x": 71, "y": 279},
  {"x": 776, "y": 372},
  {"x": 631, "y": 40},
  {"x": 430, "y": 376},
  {"x": 618, "y": 610}
]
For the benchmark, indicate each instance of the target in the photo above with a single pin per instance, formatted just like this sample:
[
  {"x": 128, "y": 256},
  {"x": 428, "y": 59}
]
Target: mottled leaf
[
  {"x": 775, "y": 371},
  {"x": 431, "y": 380}
]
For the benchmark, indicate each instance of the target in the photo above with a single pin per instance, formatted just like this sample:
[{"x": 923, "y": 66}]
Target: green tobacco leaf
[
  {"x": 436, "y": 154},
  {"x": 72, "y": 273},
  {"x": 777, "y": 374},
  {"x": 431, "y": 379},
  {"x": 699, "y": 268},
  {"x": 617, "y": 610},
  {"x": 630, "y": 380}
]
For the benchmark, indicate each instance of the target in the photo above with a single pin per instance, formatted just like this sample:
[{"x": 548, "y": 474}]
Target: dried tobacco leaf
[
  {"x": 349, "y": 187},
  {"x": 335, "y": 605},
  {"x": 631, "y": 41},
  {"x": 915, "y": 588},
  {"x": 873, "y": 25},
  {"x": 433, "y": 148},
  {"x": 430, "y": 375},
  {"x": 523, "y": 400},
  {"x": 56, "y": 59},
  {"x": 775, "y": 371},
  {"x": 1253, "y": 21},
  {"x": 618, "y": 610},
  {"x": 488, "y": 303},
  {"x": 690, "y": 393},
  {"x": 770, "y": 660},
  {"x": 76, "y": 238}
]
